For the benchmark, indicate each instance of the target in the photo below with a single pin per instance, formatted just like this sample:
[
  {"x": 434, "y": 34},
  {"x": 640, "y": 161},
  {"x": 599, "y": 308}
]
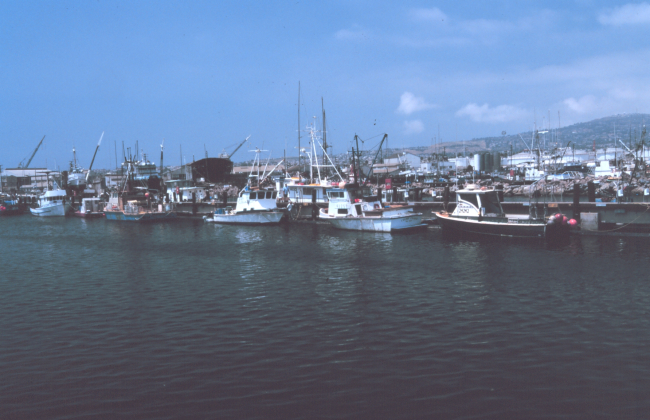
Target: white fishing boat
[
  {"x": 352, "y": 207},
  {"x": 54, "y": 202},
  {"x": 254, "y": 207},
  {"x": 479, "y": 211}
]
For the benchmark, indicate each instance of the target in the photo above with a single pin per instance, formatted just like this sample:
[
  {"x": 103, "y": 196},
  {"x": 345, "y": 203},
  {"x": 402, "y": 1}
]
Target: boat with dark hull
[
  {"x": 478, "y": 211},
  {"x": 12, "y": 207}
]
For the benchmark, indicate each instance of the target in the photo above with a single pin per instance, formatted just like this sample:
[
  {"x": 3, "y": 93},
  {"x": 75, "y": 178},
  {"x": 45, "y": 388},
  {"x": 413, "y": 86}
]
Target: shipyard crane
[
  {"x": 93, "y": 161},
  {"x": 628, "y": 149},
  {"x": 20, "y": 165},
  {"x": 225, "y": 155}
]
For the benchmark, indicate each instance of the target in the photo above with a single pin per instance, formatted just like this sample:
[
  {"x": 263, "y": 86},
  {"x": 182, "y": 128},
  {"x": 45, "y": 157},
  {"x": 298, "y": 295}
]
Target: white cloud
[
  {"x": 629, "y": 14},
  {"x": 409, "y": 103},
  {"x": 581, "y": 106},
  {"x": 355, "y": 34},
  {"x": 498, "y": 114},
  {"x": 413, "y": 127},
  {"x": 429, "y": 15}
]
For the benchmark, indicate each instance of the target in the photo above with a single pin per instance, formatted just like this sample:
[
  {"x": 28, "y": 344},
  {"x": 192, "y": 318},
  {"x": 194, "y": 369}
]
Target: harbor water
[{"x": 186, "y": 320}]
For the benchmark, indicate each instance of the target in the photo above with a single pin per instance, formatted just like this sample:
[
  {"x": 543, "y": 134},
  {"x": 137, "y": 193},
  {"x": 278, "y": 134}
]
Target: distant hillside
[{"x": 582, "y": 135}]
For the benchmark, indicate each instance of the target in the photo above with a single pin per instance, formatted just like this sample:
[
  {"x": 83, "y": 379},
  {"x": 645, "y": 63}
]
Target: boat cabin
[
  {"x": 52, "y": 195},
  {"x": 475, "y": 202},
  {"x": 352, "y": 200},
  {"x": 93, "y": 204},
  {"x": 256, "y": 200}
]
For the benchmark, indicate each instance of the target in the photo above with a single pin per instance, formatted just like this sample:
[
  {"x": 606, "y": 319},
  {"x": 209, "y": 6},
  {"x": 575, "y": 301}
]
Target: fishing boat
[
  {"x": 139, "y": 199},
  {"x": 134, "y": 211},
  {"x": 479, "y": 211},
  {"x": 54, "y": 202},
  {"x": 11, "y": 206},
  {"x": 254, "y": 207},
  {"x": 352, "y": 207}
]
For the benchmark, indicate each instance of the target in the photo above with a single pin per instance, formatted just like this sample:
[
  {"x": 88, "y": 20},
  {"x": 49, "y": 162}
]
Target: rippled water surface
[{"x": 105, "y": 319}]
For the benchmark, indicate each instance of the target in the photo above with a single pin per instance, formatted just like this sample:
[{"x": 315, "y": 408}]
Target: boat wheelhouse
[{"x": 91, "y": 207}]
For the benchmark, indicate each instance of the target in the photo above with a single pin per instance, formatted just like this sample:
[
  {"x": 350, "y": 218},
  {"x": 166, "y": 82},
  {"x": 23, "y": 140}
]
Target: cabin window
[
  {"x": 470, "y": 198},
  {"x": 342, "y": 211},
  {"x": 253, "y": 196},
  {"x": 491, "y": 203},
  {"x": 275, "y": 195},
  {"x": 269, "y": 194}
]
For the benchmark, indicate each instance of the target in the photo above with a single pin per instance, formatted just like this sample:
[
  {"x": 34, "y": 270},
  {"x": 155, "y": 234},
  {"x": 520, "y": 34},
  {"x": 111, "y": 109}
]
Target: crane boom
[
  {"x": 240, "y": 145},
  {"x": 628, "y": 149},
  {"x": 93, "y": 161},
  {"x": 34, "y": 153}
]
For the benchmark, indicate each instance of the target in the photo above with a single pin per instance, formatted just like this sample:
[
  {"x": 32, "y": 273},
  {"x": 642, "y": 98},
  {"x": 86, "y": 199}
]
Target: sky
[{"x": 204, "y": 75}]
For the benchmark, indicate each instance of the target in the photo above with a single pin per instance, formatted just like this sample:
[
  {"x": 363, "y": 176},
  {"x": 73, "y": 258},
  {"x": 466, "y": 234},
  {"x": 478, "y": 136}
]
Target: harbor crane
[
  {"x": 228, "y": 156},
  {"x": 93, "y": 161},
  {"x": 20, "y": 165}
]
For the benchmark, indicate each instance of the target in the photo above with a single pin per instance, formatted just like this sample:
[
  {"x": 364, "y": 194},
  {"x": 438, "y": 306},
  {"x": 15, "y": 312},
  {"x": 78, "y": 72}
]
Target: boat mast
[
  {"x": 324, "y": 131},
  {"x": 357, "y": 170},
  {"x": 299, "y": 156}
]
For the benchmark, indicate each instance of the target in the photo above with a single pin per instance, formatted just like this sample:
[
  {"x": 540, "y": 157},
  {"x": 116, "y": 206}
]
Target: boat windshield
[
  {"x": 469, "y": 197},
  {"x": 490, "y": 201}
]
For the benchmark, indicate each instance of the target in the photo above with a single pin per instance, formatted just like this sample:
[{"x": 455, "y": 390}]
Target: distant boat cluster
[{"x": 343, "y": 196}]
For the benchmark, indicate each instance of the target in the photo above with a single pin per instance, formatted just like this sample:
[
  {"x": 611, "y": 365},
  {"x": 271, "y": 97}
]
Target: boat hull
[
  {"x": 140, "y": 217},
  {"x": 378, "y": 224},
  {"x": 7, "y": 209},
  {"x": 57, "y": 209},
  {"x": 88, "y": 215},
  {"x": 528, "y": 229},
  {"x": 247, "y": 218}
]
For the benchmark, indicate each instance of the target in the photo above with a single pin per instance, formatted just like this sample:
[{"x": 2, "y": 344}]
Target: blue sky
[{"x": 208, "y": 74}]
